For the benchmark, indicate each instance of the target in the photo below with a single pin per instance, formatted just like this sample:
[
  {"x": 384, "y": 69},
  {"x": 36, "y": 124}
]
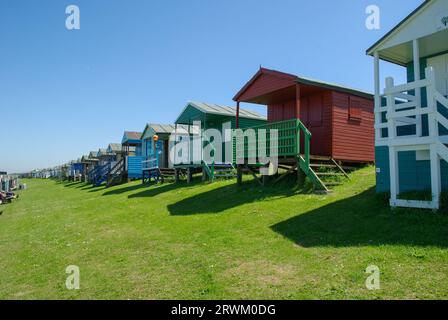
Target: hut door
[
  {"x": 304, "y": 111},
  {"x": 440, "y": 65},
  {"x": 166, "y": 154},
  {"x": 160, "y": 153}
]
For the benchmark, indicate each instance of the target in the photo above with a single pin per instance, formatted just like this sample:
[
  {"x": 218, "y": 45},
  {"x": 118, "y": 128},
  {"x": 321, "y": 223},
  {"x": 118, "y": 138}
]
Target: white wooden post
[
  {"x": 435, "y": 176},
  {"x": 392, "y": 129},
  {"x": 418, "y": 95},
  {"x": 434, "y": 133},
  {"x": 394, "y": 175},
  {"x": 393, "y": 154},
  {"x": 432, "y": 105},
  {"x": 376, "y": 71}
]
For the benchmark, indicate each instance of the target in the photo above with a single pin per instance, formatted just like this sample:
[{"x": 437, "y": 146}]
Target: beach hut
[
  {"x": 220, "y": 118},
  {"x": 105, "y": 157},
  {"x": 106, "y": 161},
  {"x": 117, "y": 150},
  {"x": 4, "y": 182},
  {"x": 93, "y": 163},
  {"x": 131, "y": 144},
  {"x": 89, "y": 162},
  {"x": 411, "y": 119},
  {"x": 320, "y": 124},
  {"x": 156, "y": 146},
  {"x": 76, "y": 170},
  {"x": 128, "y": 163}
]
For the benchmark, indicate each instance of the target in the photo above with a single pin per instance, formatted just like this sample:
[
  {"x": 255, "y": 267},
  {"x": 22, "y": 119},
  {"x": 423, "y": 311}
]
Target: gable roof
[
  {"x": 291, "y": 79},
  {"x": 215, "y": 109},
  {"x": 101, "y": 152},
  {"x": 333, "y": 86},
  {"x": 262, "y": 71},
  {"x": 163, "y": 128},
  {"x": 131, "y": 135},
  {"x": 398, "y": 26},
  {"x": 114, "y": 147}
]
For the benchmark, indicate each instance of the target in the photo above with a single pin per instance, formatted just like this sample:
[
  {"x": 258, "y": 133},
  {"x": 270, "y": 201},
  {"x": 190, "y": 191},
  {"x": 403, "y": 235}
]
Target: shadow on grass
[
  {"x": 125, "y": 188},
  {"x": 101, "y": 187},
  {"x": 229, "y": 196},
  {"x": 91, "y": 187},
  {"x": 365, "y": 220},
  {"x": 82, "y": 185},
  {"x": 154, "y": 190},
  {"x": 74, "y": 184}
]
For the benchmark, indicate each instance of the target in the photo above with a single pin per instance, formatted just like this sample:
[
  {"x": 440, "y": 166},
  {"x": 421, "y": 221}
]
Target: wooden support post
[
  {"x": 265, "y": 179},
  {"x": 297, "y": 111},
  {"x": 189, "y": 175},
  {"x": 176, "y": 175},
  {"x": 418, "y": 95},
  {"x": 204, "y": 174},
  {"x": 378, "y": 119},
  {"x": 394, "y": 175},
  {"x": 435, "y": 176},
  {"x": 300, "y": 175},
  {"x": 237, "y": 124},
  {"x": 239, "y": 174}
]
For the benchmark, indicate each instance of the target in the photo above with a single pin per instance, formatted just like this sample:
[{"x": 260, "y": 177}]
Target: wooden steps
[
  {"x": 225, "y": 170},
  {"x": 329, "y": 172},
  {"x": 167, "y": 173},
  {"x": 160, "y": 174},
  {"x": 116, "y": 174},
  {"x": 334, "y": 174}
]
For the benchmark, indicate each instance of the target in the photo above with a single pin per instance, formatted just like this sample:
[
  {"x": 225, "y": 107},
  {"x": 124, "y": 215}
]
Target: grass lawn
[{"x": 218, "y": 241}]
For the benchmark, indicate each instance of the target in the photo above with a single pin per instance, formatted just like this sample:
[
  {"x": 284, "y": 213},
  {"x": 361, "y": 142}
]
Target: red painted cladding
[
  {"x": 318, "y": 108},
  {"x": 353, "y": 138},
  {"x": 340, "y": 120},
  {"x": 282, "y": 111},
  {"x": 315, "y": 113},
  {"x": 265, "y": 84}
]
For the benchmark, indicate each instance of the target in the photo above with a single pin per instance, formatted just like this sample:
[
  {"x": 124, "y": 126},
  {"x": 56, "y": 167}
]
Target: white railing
[
  {"x": 403, "y": 108},
  {"x": 150, "y": 162}
]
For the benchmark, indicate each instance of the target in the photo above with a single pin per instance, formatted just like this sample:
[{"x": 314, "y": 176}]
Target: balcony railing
[{"x": 293, "y": 139}]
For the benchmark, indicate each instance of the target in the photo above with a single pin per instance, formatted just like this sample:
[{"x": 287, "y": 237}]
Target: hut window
[
  {"x": 355, "y": 110},
  {"x": 315, "y": 111}
]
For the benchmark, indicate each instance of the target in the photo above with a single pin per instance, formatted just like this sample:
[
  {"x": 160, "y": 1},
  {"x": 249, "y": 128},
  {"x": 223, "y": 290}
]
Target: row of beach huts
[
  {"x": 324, "y": 130},
  {"x": 315, "y": 120},
  {"x": 8, "y": 185}
]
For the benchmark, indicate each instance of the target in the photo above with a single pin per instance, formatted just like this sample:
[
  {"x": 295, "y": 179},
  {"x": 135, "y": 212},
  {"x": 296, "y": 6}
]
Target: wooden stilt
[
  {"x": 189, "y": 175},
  {"x": 204, "y": 175},
  {"x": 252, "y": 172},
  {"x": 280, "y": 177},
  {"x": 265, "y": 179},
  {"x": 176, "y": 175},
  {"x": 300, "y": 175},
  {"x": 239, "y": 174}
]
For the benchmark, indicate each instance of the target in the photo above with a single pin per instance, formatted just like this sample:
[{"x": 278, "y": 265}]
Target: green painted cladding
[
  {"x": 247, "y": 123},
  {"x": 382, "y": 169},
  {"x": 213, "y": 121},
  {"x": 414, "y": 175},
  {"x": 189, "y": 115}
]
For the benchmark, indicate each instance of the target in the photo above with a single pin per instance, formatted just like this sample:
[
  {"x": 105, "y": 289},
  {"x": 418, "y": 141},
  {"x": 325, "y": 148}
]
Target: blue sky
[{"x": 64, "y": 93}]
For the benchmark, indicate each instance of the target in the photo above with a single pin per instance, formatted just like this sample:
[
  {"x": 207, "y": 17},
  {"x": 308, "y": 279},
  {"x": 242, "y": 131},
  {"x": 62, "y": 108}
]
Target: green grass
[{"x": 218, "y": 241}]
